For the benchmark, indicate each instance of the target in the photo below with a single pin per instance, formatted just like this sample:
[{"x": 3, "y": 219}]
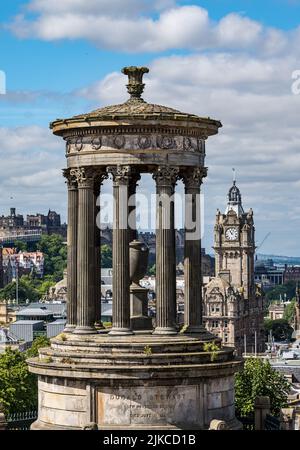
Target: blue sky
[{"x": 232, "y": 60}]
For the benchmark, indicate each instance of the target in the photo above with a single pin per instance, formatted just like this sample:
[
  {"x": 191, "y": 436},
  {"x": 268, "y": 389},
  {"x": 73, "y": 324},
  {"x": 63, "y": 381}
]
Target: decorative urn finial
[{"x": 135, "y": 86}]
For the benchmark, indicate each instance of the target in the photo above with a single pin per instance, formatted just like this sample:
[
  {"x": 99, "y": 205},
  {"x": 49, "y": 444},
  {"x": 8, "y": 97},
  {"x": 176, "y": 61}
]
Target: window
[{"x": 226, "y": 324}]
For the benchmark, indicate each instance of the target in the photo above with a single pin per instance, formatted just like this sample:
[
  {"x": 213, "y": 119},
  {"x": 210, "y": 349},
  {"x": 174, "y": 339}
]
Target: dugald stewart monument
[{"x": 134, "y": 376}]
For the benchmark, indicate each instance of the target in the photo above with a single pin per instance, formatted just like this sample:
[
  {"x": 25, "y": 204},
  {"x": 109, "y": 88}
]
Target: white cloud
[
  {"x": 31, "y": 161},
  {"x": 137, "y": 29},
  {"x": 260, "y": 134},
  {"x": 244, "y": 80}
]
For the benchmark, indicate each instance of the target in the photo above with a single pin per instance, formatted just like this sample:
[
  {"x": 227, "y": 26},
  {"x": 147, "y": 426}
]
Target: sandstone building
[{"x": 233, "y": 303}]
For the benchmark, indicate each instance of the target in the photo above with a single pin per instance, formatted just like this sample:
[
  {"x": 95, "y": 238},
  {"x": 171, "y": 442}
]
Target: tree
[
  {"x": 38, "y": 342},
  {"x": 289, "y": 312},
  {"x": 25, "y": 291},
  {"x": 288, "y": 288},
  {"x": 55, "y": 255},
  {"x": 18, "y": 387},
  {"x": 20, "y": 246},
  {"x": 281, "y": 330},
  {"x": 106, "y": 256},
  {"x": 258, "y": 378}
]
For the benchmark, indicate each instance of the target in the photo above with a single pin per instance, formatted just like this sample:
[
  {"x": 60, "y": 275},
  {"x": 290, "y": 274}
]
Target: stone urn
[
  {"x": 138, "y": 257},
  {"x": 138, "y": 260}
]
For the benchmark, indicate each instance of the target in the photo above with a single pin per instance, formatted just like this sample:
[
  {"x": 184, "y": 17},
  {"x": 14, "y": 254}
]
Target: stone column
[
  {"x": 192, "y": 179},
  {"x": 165, "y": 178},
  {"x": 85, "y": 251},
  {"x": 72, "y": 252},
  {"x": 132, "y": 206},
  {"x": 121, "y": 235},
  {"x": 101, "y": 175}
]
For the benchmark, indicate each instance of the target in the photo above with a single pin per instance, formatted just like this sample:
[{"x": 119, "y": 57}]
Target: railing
[
  {"x": 247, "y": 422},
  {"x": 272, "y": 423},
  {"x": 21, "y": 421}
]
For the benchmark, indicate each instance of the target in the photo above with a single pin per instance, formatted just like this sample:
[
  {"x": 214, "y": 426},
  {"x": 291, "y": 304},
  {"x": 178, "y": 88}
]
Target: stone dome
[{"x": 137, "y": 110}]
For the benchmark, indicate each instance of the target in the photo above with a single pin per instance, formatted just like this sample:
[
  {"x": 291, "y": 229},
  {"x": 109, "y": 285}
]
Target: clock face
[{"x": 231, "y": 234}]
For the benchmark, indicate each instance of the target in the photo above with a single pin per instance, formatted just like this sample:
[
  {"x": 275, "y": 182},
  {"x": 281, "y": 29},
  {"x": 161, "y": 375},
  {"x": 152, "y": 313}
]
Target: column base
[
  {"x": 195, "y": 330},
  {"x": 141, "y": 323},
  {"x": 69, "y": 328},
  {"x": 85, "y": 330},
  {"x": 165, "y": 330},
  {"x": 120, "y": 331}
]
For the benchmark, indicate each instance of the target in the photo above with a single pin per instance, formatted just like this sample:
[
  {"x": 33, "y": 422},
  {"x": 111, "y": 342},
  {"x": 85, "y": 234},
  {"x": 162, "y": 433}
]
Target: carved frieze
[{"x": 137, "y": 141}]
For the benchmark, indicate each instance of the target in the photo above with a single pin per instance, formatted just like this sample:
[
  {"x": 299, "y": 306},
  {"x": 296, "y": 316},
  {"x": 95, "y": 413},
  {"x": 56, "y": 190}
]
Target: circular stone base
[{"x": 134, "y": 382}]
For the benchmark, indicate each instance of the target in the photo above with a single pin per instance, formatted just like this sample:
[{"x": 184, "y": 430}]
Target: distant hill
[{"x": 290, "y": 260}]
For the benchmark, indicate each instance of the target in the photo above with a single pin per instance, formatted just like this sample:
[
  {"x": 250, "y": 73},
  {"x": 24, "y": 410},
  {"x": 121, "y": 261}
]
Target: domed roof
[
  {"x": 234, "y": 194},
  {"x": 135, "y": 109}
]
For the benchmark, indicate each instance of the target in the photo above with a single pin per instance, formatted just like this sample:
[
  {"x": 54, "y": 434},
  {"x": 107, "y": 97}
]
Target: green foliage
[
  {"x": 148, "y": 350},
  {"x": 55, "y": 254},
  {"x": 258, "y": 378},
  {"x": 288, "y": 288},
  {"x": 212, "y": 348},
  {"x": 281, "y": 330},
  {"x": 106, "y": 256},
  {"x": 20, "y": 246},
  {"x": 18, "y": 387},
  {"x": 25, "y": 291},
  {"x": 38, "y": 342},
  {"x": 152, "y": 270},
  {"x": 289, "y": 312},
  {"x": 183, "y": 328},
  {"x": 61, "y": 337}
]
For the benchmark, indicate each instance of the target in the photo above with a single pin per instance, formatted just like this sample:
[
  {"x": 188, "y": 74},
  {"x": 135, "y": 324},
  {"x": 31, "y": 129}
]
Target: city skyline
[{"x": 225, "y": 56}]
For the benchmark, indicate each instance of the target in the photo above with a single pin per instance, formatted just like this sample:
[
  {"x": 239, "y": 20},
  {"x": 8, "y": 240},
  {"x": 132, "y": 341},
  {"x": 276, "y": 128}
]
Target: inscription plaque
[{"x": 149, "y": 406}]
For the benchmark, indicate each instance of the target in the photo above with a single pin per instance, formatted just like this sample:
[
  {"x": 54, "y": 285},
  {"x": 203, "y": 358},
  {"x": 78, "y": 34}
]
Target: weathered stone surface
[
  {"x": 123, "y": 380},
  {"x": 148, "y": 406}
]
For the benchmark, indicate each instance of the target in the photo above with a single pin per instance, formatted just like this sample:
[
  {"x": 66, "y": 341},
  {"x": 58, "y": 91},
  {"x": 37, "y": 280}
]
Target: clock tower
[
  {"x": 233, "y": 303},
  {"x": 234, "y": 243}
]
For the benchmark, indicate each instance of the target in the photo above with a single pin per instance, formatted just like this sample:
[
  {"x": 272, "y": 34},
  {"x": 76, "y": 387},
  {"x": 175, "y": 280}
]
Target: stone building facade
[
  {"x": 233, "y": 303},
  {"x": 14, "y": 227}
]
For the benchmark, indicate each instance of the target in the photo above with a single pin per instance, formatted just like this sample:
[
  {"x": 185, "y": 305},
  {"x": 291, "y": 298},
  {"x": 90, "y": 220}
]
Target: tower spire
[
  {"x": 233, "y": 176},
  {"x": 234, "y": 197}
]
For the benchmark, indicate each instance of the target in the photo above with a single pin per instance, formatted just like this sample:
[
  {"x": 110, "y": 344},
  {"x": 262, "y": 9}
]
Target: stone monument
[{"x": 127, "y": 379}]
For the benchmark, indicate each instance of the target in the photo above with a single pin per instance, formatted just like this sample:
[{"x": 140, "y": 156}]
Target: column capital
[
  {"x": 70, "y": 179},
  {"x": 193, "y": 177},
  {"x": 84, "y": 176},
  {"x": 121, "y": 174},
  {"x": 166, "y": 175},
  {"x": 100, "y": 175}
]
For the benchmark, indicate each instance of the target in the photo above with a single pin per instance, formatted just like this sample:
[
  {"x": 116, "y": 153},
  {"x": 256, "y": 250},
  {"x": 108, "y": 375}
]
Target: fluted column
[
  {"x": 132, "y": 205},
  {"x": 192, "y": 179},
  {"x": 85, "y": 251},
  {"x": 100, "y": 176},
  {"x": 72, "y": 252},
  {"x": 121, "y": 235},
  {"x": 165, "y": 178}
]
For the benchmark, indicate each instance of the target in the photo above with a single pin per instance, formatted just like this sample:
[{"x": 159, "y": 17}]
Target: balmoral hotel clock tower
[{"x": 233, "y": 305}]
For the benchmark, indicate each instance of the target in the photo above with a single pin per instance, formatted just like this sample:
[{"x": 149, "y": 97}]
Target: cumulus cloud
[
  {"x": 239, "y": 72},
  {"x": 31, "y": 161},
  {"x": 139, "y": 26},
  {"x": 260, "y": 135}
]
